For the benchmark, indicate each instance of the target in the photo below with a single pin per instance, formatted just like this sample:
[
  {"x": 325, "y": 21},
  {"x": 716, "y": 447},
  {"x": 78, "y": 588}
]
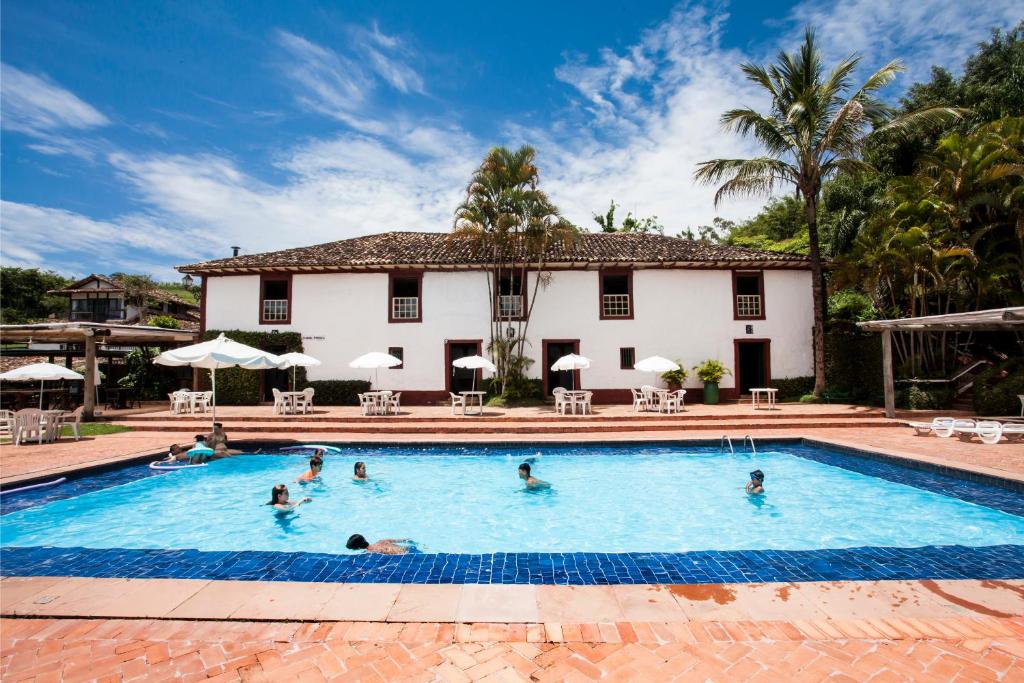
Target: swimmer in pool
[
  {"x": 177, "y": 453},
  {"x": 756, "y": 483},
  {"x": 316, "y": 464},
  {"x": 279, "y": 499},
  {"x": 385, "y": 546},
  {"x": 532, "y": 482},
  {"x": 359, "y": 471},
  {"x": 200, "y": 452}
]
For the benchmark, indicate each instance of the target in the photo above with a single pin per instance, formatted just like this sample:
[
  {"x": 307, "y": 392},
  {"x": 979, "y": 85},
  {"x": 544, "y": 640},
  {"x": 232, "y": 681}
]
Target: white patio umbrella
[
  {"x": 656, "y": 364},
  {"x": 41, "y": 372},
  {"x": 571, "y": 362},
  {"x": 296, "y": 360},
  {"x": 375, "y": 360},
  {"x": 216, "y": 354},
  {"x": 474, "y": 363}
]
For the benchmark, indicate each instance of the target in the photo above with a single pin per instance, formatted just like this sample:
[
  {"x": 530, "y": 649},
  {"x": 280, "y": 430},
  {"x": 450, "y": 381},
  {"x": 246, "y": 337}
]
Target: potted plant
[
  {"x": 711, "y": 372},
  {"x": 675, "y": 378}
]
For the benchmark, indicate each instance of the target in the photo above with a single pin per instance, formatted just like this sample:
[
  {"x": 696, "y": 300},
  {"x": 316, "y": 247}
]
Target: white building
[{"x": 613, "y": 297}]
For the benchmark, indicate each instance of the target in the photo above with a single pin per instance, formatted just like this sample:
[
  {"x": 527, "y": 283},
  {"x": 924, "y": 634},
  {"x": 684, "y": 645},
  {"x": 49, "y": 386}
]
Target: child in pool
[
  {"x": 359, "y": 471},
  {"x": 385, "y": 546},
  {"x": 279, "y": 499},
  {"x": 756, "y": 483},
  {"x": 532, "y": 482},
  {"x": 316, "y": 464},
  {"x": 177, "y": 452}
]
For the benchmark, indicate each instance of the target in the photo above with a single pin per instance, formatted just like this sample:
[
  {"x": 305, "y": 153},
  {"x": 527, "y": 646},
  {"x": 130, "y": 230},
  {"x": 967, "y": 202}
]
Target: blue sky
[{"x": 141, "y": 135}]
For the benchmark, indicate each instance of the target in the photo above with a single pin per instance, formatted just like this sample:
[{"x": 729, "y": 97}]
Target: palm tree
[
  {"x": 816, "y": 127},
  {"x": 511, "y": 220}
]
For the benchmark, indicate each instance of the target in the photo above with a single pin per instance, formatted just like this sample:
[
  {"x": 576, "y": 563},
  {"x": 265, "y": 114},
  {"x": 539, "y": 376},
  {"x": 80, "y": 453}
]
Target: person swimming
[
  {"x": 177, "y": 452},
  {"x": 279, "y": 499},
  {"x": 385, "y": 546},
  {"x": 531, "y": 481},
  {"x": 359, "y": 471},
  {"x": 200, "y": 452},
  {"x": 756, "y": 483},
  {"x": 316, "y": 464}
]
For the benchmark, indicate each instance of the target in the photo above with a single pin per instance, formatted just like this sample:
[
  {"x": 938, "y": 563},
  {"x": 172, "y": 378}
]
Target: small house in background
[{"x": 99, "y": 299}]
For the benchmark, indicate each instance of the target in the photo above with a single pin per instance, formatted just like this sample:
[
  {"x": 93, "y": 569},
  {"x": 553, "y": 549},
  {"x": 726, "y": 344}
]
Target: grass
[{"x": 98, "y": 429}]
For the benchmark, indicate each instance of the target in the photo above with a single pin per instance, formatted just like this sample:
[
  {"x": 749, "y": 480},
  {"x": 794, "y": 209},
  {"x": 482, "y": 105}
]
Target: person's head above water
[
  {"x": 524, "y": 470},
  {"x": 359, "y": 469},
  {"x": 278, "y": 495},
  {"x": 316, "y": 463},
  {"x": 218, "y": 425},
  {"x": 758, "y": 476},
  {"x": 200, "y": 438},
  {"x": 357, "y": 542}
]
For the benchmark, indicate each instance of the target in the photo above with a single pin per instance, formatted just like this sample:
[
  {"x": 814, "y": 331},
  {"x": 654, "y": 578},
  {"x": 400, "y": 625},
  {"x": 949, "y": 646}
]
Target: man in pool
[
  {"x": 532, "y": 482},
  {"x": 218, "y": 441},
  {"x": 385, "y": 546},
  {"x": 316, "y": 463},
  {"x": 177, "y": 453},
  {"x": 359, "y": 471},
  {"x": 756, "y": 483}
]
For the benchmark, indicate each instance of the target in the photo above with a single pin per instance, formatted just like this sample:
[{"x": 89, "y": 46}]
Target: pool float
[
  {"x": 165, "y": 466},
  {"x": 313, "y": 446},
  {"x": 35, "y": 486}
]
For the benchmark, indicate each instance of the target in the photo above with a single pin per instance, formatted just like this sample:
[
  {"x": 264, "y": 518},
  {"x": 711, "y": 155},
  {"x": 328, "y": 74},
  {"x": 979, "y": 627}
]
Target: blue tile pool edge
[{"x": 745, "y": 566}]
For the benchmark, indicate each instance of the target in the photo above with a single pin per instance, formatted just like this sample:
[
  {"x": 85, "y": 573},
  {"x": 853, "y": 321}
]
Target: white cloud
[{"x": 37, "y": 106}]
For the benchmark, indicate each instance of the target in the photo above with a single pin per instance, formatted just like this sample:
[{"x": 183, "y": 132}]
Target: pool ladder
[
  {"x": 753, "y": 449},
  {"x": 725, "y": 440}
]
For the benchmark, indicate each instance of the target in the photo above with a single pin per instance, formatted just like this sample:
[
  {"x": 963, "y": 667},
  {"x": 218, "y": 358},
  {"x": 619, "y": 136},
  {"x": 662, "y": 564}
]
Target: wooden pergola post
[
  {"x": 90, "y": 375},
  {"x": 890, "y": 390}
]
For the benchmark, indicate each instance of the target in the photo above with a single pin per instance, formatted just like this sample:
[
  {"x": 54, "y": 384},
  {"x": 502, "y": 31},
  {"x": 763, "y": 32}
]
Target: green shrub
[
  {"x": 809, "y": 398},
  {"x": 336, "y": 392},
  {"x": 792, "y": 388},
  {"x": 520, "y": 390},
  {"x": 853, "y": 364},
  {"x": 711, "y": 370},
  {"x": 996, "y": 389},
  {"x": 677, "y": 377},
  {"x": 850, "y": 305},
  {"x": 924, "y": 398},
  {"x": 164, "y": 321}
]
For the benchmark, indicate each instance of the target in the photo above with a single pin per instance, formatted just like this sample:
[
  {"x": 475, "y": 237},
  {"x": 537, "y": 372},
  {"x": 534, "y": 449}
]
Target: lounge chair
[
  {"x": 1013, "y": 431},
  {"x": 71, "y": 419},
  {"x": 640, "y": 402},
  {"x": 940, "y": 426},
  {"x": 989, "y": 431},
  {"x": 458, "y": 400}
]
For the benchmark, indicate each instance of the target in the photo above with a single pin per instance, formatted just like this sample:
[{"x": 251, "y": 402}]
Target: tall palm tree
[
  {"x": 816, "y": 127},
  {"x": 512, "y": 221}
]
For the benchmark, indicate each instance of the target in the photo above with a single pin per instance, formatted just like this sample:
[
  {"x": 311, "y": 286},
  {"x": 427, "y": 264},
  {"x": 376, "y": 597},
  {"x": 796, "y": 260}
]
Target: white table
[
  {"x": 191, "y": 397},
  {"x": 469, "y": 396},
  {"x": 576, "y": 398},
  {"x": 290, "y": 398},
  {"x": 767, "y": 392}
]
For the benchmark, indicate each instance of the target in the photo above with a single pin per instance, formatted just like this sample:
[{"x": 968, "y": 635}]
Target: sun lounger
[
  {"x": 988, "y": 431},
  {"x": 940, "y": 426}
]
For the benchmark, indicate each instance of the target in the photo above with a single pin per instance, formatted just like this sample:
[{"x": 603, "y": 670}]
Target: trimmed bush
[
  {"x": 853, "y": 364},
  {"x": 924, "y": 398},
  {"x": 336, "y": 392},
  {"x": 996, "y": 389},
  {"x": 792, "y": 388}
]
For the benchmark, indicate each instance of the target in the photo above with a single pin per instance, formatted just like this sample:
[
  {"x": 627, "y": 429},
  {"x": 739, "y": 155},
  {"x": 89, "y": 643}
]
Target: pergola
[
  {"x": 87, "y": 334},
  {"x": 992, "y": 320}
]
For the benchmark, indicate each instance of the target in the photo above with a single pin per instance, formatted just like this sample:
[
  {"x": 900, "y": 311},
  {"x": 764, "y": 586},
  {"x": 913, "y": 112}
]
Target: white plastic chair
[
  {"x": 458, "y": 400},
  {"x": 202, "y": 401},
  {"x": 367, "y": 404},
  {"x": 940, "y": 426},
  {"x": 562, "y": 399},
  {"x": 584, "y": 402},
  {"x": 179, "y": 401},
  {"x": 988, "y": 431},
  {"x": 639, "y": 401},
  {"x": 7, "y": 423},
  {"x": 28, "y": 422},
  {"x": 280, "y": 406},
  {"x": 71, "y": 419},
  {"x": 1013, "y": 431},
  {"x": 394, "y": 403},
  {"x": 673, "y": 401},
  {"x": 305, "y": 402}
]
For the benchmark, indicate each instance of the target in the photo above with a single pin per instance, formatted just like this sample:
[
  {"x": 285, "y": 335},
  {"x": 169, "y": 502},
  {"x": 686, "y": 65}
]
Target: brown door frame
[
  {"x": 547, "y": 361},
  {"x": 767, "y": 360},
  {"x": 448, "y": 360}
]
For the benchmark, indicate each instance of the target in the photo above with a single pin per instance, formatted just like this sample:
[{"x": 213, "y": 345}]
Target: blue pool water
[{"x": 469, "y": 500}]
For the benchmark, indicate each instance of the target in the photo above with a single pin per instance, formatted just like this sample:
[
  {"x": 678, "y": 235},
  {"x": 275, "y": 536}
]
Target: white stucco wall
[{"x": 679, "y": 314}]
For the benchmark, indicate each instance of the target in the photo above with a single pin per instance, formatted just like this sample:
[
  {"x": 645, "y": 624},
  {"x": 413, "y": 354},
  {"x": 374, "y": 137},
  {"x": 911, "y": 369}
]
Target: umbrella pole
[
  {"x": 213, "y": 398},
  {"x": 41, "y": 382}
]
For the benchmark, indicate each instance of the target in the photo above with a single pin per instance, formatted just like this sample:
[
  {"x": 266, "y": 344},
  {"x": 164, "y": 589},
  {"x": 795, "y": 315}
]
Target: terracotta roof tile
[{"x": 445, "y": 249}]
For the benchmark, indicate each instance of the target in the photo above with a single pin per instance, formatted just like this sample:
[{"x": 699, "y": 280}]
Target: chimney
[{"x": 235, "y": 250}]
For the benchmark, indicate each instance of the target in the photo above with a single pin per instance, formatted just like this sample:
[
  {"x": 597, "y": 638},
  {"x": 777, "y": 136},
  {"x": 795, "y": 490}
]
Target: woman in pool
[
  {"x": 385, "y": 546},
  {"x": 359, "y": 471},
  {"x": 756, "y": 483},
  {"x": 279, "y": 499},
  {"x": 532, "y": 482},
  {"x": 316, "y": 464},
  {"x": 200, "y": 452}
]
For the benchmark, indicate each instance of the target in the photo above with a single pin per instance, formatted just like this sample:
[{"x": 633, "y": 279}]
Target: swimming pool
[{"x": 623, "y": 501}]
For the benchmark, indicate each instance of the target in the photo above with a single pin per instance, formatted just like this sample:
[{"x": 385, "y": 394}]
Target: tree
[
  {"x": 629, "y": 223},
  {"x": 511, "y": 222},
  {"x": 137, "y": 288},
  {"x": 816, "y": 127},
  {"x": 25, "y": 297}
]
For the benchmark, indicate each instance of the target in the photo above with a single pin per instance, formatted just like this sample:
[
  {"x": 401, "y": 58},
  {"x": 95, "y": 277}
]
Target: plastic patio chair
[
  {"x": 640, "y": 402},
  {"x": 28, "y": 422},
  {"x": 458, "y": 400},
  {"x": 393, "y": 403},
  {"x": 7, "y": 423},
  {"x": 305, "y": 402},
  {"x": 71, "y": 419}
]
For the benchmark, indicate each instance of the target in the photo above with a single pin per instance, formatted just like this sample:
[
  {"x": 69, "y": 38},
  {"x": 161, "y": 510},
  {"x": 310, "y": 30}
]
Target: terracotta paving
[{"x": 890, "y": 650}]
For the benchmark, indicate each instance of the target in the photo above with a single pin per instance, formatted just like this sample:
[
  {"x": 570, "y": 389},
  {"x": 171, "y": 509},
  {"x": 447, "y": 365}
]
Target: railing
[
  {"x": 748, "y": 305},
  {"x": 275, "y": 309},
  {"x": 97, "y": 316},
  {"x": 615, "y": 305},
  {"x": 405, "y": 307},
  {"x": 510, "y": 306}
]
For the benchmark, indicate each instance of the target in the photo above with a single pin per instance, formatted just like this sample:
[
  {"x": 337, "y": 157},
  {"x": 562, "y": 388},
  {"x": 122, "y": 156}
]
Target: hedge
[
  {"x": 853, "y": 364},
  {"x": 336, "y": 392},
  {"x": 792, "y": 388},
  {"x": 996, "y": 388}
]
